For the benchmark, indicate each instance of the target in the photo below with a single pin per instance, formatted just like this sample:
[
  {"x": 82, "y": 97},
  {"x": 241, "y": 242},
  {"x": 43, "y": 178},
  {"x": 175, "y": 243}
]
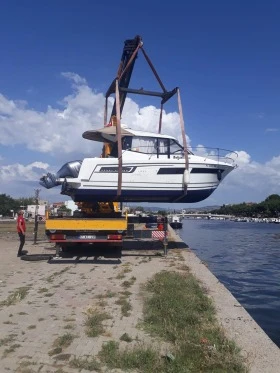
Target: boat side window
[
  {"x": 147, "y": 145},
  {"x": 126, "y": 145},
  {"x": 163, "y": 146},
  {"x": 126, "y": 142},
  {"x": 114, "y": 151},
  {"x": 175, "y": 147}
]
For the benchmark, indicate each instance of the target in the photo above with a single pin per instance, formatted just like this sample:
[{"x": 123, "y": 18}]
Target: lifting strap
[
  {"x": 119, "y": 139},
  {"x": 160, "y": 118},
  {"x": 105, "y": 111},
  {"x": 132, "y": 58},
  {"x": 183, "y": 135}
]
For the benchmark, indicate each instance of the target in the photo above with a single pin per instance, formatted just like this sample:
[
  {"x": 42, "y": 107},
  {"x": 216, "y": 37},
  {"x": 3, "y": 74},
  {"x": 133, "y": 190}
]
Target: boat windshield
[
  {"x": 175, "y": 147},
  {"x": 149, "y": 145}
]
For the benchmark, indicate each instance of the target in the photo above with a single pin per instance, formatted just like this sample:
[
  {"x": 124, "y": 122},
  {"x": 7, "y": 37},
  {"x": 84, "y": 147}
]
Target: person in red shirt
[{"x": 21, "y": 229}]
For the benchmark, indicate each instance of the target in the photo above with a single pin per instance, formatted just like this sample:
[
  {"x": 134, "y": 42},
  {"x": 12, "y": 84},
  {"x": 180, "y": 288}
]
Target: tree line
[
  {"x": 269, "y": 208},
  {"x": 8, "y": 205}
]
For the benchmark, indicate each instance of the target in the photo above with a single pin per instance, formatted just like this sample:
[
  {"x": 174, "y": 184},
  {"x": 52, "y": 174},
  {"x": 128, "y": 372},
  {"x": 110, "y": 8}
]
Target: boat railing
[
  {"x": 217, "y": 154},
  {"x": 150, "y": 150}
]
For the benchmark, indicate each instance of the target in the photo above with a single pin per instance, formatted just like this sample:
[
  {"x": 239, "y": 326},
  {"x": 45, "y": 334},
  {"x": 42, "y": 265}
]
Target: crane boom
[
  {"x": 126, "y": 66},
  {"x": 129, "y": 55}
]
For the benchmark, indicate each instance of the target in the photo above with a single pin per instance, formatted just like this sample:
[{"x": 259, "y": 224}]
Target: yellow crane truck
[
  {"x": 103, "y": 223},
  {"x": 100, "y": 224}
]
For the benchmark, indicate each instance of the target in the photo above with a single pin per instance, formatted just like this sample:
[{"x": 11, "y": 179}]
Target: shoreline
[{"x": 262, "y": 353}]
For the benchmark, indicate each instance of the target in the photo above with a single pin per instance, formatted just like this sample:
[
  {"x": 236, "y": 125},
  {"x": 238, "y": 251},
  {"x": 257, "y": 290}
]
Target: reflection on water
[{"x": 245, "y": 257}]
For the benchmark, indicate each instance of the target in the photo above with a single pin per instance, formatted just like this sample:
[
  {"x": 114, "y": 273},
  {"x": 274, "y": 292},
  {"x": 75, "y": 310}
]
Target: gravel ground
[{"x": 59, "y": 293}]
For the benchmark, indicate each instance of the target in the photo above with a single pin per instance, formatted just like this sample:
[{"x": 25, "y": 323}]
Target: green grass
[
  {"x": 26, "y": 367},
  {"x": 125, "y": 306},
  {"x": 11, "y": 349},
  {"x": 55, "y": 351},
  {"x": 108, "y": 294},
  {"x": 123, "y": 272},
  {"x": 140, "y": 358},
  {"x": 56, "y": 274},
  {"x": 126, "y": 284},
  {"x": 7, "y": 340},
  {"x": 25, "y": 363},
  {"x": 180, "y": 301},
  {"x": 127, "y": 270},
  {"x": 61, "y": 342},
  {"x": 102, "y": 303},
  {"x": 48, "y": 295},
  {"x": 15, "y": 297},
  {"x": 64, "y": 341},
  {"x": 120, "y": 276},
  {"x": 126, "y": 338},
  {"x": 69, "y": 319},
  {"x": 177, "y": 312},
  {"x": 69, "y": 326},
  {"x": 93, "y": 323},
  {"x": 63, "y": 357},
  {"x": 85, "y": 363},
  {"x": 30, "y": 327},
  {"x": 43, "y": 290}
]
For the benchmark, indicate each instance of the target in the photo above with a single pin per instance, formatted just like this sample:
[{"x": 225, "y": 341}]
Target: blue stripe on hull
[{"x": 192, "y": 196}]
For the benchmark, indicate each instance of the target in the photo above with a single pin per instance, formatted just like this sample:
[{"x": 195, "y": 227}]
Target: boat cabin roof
[{"x": 109, "y": 134}]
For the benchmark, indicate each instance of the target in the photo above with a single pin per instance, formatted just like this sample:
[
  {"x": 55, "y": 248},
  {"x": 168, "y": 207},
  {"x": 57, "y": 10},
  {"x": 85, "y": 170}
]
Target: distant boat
[{"x": 175, "y": 222}]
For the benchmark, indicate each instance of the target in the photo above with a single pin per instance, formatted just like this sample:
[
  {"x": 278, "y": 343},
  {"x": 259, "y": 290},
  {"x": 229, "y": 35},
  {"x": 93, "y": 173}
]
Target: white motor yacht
[{"x": 153, "y": 169}]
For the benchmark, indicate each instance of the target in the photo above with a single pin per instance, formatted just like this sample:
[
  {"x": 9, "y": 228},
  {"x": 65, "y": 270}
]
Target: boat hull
[
  {"x": 149, "y": 181},
  {"x": 148, "y": 195},
  {"x": 176, "y": 225}
]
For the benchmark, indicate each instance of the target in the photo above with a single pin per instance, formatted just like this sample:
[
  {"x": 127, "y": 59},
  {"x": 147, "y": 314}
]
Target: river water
[{"x": 245, "y": 257}]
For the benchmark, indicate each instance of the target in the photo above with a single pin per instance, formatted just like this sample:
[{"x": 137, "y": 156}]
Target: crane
[
  {"x": 120, "y": 87},
  {"x": 102, "y": 222}
]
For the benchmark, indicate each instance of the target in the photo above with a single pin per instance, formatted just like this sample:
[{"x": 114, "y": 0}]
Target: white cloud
[
  {"x": 201, "y": 150},
  {"x": 272, "y": 130},
  {"x": 77, "y": 79},
  {"x": 54, "y": 131},
  {"x": 17, "y": 171},
  {"x": 243, "y": 158},
  {"x": 59, "y": 131},
  {"x": 251, "y": 181}
]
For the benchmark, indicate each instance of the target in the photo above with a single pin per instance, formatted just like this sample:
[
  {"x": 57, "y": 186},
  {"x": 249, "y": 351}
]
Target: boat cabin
[{"x": 149, "y": 145}]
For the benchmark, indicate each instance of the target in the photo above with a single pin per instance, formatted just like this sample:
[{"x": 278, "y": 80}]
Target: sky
[{"x": 59, "y": 58}]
